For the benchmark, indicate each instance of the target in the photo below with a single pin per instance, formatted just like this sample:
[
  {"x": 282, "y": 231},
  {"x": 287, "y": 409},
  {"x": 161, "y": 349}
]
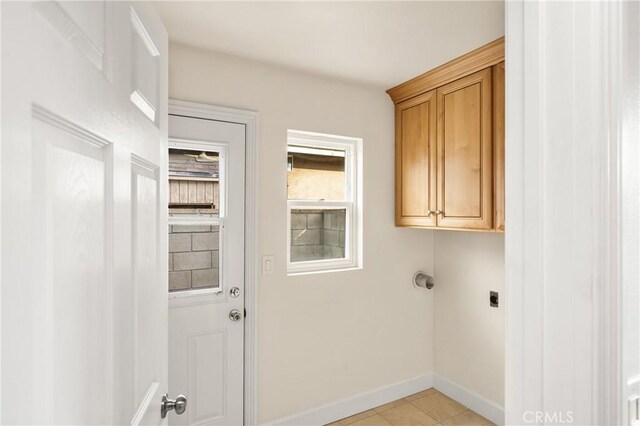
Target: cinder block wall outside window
[
  {"x": 193, "y": 257},
  {"x": 316, "y": 234}
]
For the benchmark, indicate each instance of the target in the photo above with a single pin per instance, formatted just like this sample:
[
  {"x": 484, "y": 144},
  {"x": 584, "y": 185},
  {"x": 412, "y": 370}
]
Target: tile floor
[{"x": 425, "y": 408}]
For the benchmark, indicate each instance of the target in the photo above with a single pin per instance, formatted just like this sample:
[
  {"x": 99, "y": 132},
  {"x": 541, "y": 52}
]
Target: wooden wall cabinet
[
  {"x": 450, "y": 144},
  {"x": 416, "y": 161}
]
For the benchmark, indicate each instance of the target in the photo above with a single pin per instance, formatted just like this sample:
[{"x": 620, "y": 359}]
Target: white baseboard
[
  {"x": 477, "y": 403},
  {"x": 355, "y": 404},
  {"x": 365, "y": 401}
]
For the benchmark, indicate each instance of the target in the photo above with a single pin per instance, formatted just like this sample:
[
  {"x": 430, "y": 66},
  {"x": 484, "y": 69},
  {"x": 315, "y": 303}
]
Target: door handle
[
  {"x": 235, "y": 315},
  {"x": 179, "y": 405}
]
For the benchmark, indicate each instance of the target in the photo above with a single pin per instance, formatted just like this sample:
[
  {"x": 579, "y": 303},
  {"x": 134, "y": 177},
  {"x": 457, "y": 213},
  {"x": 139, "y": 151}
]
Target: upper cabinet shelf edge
[{"x": 476, "y": 60}]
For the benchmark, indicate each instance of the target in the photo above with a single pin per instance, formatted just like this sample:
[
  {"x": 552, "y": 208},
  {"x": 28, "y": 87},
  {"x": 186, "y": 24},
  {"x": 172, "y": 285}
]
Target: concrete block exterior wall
[
  {"x": 193, "y": 257},
  {"x": 317, "y": 234}
]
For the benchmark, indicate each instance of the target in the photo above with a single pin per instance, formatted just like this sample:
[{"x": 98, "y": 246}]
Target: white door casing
[
  {"x": 84, "y": 310},
  {"x": 566, "y": 102},
  {"x": 206, "y": 347},
  {"x": 627, "y": 406}
]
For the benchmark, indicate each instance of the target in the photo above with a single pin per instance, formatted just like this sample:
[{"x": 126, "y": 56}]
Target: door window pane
[
  {"x": 194, "y": 253},
  {"x": 194, "y": 183},
  {"x": 315, "y": 174},
  {"x": 317, "y": 234}
]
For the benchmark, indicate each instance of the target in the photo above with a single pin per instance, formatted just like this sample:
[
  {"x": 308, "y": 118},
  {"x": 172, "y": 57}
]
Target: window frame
[
  {"x": 352, "y": 203},
  {"x": 195, "y": 219}
]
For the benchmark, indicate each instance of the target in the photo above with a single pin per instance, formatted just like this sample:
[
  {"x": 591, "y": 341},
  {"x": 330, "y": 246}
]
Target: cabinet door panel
[
  {"x": 498, "y": 140},
  {"x": 415, "y": 161},
  {"x": 465, "y": 178}
]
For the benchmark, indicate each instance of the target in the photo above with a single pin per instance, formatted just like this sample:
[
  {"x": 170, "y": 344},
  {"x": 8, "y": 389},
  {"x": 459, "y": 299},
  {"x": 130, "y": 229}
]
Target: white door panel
[
  {"x": 69, "y": 178},
  {"x": 205, "y": 346},
  {"x": 629, "y": 221},
  {"x": 146, "y": 276},
  {"x": 83, "y": 187}
]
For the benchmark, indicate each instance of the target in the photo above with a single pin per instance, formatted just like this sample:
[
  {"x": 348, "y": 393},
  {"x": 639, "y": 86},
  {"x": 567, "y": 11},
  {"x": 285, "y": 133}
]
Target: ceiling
[{"x": 378, "y": 43}]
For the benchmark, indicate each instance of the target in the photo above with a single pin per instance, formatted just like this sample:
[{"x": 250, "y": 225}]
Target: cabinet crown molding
[{"x": 483, "y": 57}]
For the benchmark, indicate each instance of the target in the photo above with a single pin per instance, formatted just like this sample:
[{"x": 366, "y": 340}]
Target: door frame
[
  {"x": 539, "y": 367},
  {"x": 251, "y": 244}
]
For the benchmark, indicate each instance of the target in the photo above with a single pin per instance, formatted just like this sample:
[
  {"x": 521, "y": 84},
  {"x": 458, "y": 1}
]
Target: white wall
[
  {"x": 469, "y": 334},
  {"x": 323, "y": 337}
]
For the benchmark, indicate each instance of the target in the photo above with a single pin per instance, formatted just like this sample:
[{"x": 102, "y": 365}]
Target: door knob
[
  {"x": 235, "y": 315},
  {"x": 179, "y": 405}
]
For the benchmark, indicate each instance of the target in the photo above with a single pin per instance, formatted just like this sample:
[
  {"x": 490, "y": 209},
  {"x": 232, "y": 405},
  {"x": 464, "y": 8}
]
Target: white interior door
[
  {"x": 629, "y": 218},
  {"x": 206, "y": 269},
  {"x": 83, "y": 189}
]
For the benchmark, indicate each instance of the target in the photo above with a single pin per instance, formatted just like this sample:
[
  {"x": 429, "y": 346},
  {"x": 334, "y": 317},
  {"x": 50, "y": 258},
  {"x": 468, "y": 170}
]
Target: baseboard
[
  {"x": 477, "y": 403},
  {"x": 365, "y": 401},
  {"x": 355, "y": 404}
]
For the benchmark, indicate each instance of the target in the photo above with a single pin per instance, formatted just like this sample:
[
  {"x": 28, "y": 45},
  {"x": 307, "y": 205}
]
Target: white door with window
[
  {"x": 206, "y": 268},
  {"x": 83, "y": 187}
]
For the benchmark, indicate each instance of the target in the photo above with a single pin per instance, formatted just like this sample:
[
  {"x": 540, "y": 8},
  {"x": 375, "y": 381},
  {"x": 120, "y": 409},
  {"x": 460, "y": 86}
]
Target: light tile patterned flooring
[{"x": 425, "y": 408}]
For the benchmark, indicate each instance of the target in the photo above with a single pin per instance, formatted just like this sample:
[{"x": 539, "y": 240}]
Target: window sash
[
  {"x": 348, "y": 145},
  {"x": 195, "y": 219},
  {"x": 222, "y": 284},
  {"x": 348, "y": 261},
  {"x": 352, "y": 148}
]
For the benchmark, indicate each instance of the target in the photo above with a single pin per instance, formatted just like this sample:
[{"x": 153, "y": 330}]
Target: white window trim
[
  {"x": 353, "y": 203},
  {"x": 221, "y": 149}
]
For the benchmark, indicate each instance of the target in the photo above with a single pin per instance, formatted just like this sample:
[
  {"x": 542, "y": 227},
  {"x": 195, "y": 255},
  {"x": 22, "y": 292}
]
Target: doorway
[{"x": 211, "y": 251}]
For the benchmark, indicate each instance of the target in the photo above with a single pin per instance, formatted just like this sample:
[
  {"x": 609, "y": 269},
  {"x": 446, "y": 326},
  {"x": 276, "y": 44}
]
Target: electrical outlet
[{"x": 494, "y": 299}]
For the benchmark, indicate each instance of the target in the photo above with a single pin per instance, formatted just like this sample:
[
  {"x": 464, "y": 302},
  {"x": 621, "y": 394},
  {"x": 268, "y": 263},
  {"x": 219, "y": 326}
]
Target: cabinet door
[
  {"x": 465, "y": 178},
  {"x": 416, "y": 161},
  {"x": 498, "y": 148}
]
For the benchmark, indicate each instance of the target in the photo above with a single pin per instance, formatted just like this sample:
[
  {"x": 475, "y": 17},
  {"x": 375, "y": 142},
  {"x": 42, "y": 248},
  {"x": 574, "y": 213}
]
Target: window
[
  {"x": 195, "y": 218},
  {"x": 324, "y": 207}
]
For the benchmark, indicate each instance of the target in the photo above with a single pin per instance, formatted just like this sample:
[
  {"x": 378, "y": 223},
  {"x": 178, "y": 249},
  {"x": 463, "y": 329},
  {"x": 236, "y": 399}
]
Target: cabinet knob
[
  {"x": 429, "y": 213},
  {"x": 439, "y": 212}
]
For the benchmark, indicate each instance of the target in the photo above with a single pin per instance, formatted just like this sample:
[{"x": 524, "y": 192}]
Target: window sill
[
  {"x": 323, "y": 271},
  {"x": 193, "y": 298}
]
